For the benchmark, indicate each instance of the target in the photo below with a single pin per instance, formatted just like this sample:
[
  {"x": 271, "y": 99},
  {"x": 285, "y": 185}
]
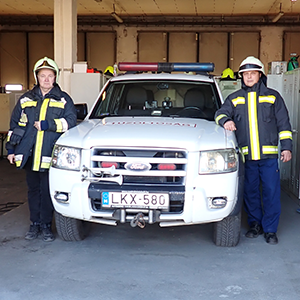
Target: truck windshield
[{"x": 169, "y": 98}]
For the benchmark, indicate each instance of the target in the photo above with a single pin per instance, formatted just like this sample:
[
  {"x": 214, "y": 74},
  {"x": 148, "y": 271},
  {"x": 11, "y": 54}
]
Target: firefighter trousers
[
  {"x": 39, "y": 200},
  {"x": 262, "y": 193}
]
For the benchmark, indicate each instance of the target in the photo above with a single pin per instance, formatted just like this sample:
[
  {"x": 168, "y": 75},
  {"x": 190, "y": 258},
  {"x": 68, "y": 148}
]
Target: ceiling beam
[{"x": 155, "y": 20}]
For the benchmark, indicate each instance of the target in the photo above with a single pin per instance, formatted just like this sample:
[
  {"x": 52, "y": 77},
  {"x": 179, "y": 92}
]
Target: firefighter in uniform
[
  {"x": 259, "y": 117},
  {"x": 40, "y": 116}
]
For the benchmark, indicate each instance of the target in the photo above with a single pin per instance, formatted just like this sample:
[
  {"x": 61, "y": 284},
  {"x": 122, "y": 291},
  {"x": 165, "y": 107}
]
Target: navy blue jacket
[
  {"x": 57, "y": 114},
  {"x": 261, "y": 119}
]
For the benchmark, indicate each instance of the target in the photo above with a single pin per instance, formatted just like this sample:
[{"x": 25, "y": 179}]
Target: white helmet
[
  {"x": 45, "y": 63},
  {"x": 251, "y": 63}
]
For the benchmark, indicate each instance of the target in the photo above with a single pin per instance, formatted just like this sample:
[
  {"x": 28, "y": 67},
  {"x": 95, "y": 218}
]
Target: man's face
[
  {"x": 46, "y": 78},
  {"x": 251, "y": 77}
]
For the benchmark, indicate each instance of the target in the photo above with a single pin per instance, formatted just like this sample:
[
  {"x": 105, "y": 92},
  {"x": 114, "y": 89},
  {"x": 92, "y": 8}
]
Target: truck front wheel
[
  {"x": 227, "y": 232},
  {"x": 70, "y": 229}
]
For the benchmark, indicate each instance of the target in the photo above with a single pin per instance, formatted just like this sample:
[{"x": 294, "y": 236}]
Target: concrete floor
[{"x": 154, "y": 263}]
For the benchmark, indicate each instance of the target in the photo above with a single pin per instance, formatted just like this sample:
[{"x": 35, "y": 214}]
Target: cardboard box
[
  {"x": 277, "y": 67},
  {"x": 80, "y": 67}
]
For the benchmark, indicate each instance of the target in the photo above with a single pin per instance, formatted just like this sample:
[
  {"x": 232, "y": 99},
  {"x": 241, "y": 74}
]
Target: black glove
[{"x": 16, "y": 136}]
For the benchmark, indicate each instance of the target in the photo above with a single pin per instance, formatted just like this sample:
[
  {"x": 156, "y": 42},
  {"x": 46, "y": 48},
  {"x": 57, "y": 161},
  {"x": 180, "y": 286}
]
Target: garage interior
[
  {"x": 102, "y": 33},
  {"x": 153, "y": 263},
  {"x": 223, "y": 32}
]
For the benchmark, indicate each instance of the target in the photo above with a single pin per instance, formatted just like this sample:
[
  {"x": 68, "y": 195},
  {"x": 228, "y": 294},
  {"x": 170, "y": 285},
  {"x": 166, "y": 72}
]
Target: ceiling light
[
  {"x": 116, "y": 16},
  {"x": 278, "y": 16}
]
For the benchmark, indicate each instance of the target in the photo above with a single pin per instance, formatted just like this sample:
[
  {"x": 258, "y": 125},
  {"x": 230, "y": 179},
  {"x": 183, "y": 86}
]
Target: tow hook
[{"x": 138, "y": 220}]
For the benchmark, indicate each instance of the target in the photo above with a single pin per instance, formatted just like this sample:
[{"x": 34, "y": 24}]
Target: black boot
[
  {"x": 254, "y": 231},
  {"x": 271, "y": 238},
  {"x": 34, "y": 231},
  {"x": 47, "y": 234}
]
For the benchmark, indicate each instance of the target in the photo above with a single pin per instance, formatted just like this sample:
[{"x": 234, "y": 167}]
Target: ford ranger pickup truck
[{"x": 150, "y": 152}]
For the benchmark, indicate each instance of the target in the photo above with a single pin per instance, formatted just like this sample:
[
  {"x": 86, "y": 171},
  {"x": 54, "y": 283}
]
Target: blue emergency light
[{"x": 166, "y": 67}]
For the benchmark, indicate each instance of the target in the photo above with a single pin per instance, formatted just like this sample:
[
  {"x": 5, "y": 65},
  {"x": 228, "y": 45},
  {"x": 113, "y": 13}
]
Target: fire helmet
[
  {"x": 109, "y": 71},
  {"x": 251, "y": 63},
  {"x": 228, "y": 73},
  {"x": 45, "y": 63}
]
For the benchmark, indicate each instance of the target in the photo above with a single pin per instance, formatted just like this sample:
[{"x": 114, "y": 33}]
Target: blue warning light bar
[{"x": 167, "y": 67}]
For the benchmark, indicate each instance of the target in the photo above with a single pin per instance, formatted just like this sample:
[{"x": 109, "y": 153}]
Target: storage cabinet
[{"x": 288, "y": 85}]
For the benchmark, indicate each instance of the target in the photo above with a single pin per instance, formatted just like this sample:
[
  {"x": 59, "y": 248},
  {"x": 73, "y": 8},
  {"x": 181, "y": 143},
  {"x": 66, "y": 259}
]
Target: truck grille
[{"x": 140, "y": 166}]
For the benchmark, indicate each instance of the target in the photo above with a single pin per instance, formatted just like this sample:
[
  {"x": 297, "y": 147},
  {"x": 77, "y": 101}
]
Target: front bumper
[{"x": 190, "y": 202}]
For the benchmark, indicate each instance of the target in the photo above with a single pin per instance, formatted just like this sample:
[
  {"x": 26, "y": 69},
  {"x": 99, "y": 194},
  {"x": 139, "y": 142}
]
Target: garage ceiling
[{"x": 156, "y": 11}]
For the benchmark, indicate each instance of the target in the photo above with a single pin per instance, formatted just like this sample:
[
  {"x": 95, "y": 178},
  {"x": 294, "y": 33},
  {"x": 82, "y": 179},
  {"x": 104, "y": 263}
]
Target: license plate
[{"x": 135, "y": 200}]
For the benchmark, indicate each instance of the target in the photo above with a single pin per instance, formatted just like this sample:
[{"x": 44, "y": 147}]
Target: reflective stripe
[
  {"x": 59, "y": 126},
  {"x": 45, "y": 165},
  {"x": 57, "y": 104},
  {"x": 45, "y": 162},
  {"x": 238, "y": 100},
  {"x": 18, "y": 159},
  {"x": 253, "y": 126},
  {"x": 27, "y": 102},
  {"x": 38, "y": 150},
  {"x": 265, "y": 150},
  {"x": 22, "y": 124},
  {"x": 61, "y": 103},
  {"x": 285, "y": 135},
  {"x": 65, "y": 125},
  {"x": 245, "y": 150},
  {"x": 9, "y": 135},
  {"x": 270, "y": 149},
  {"x": 270, "y": 99},
  {"x": 218, "y": 118},
  {"x": 40, "y": 137}
]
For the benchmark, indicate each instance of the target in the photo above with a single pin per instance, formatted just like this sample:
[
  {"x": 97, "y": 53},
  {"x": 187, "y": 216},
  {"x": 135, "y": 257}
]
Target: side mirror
[{"x": 81, "y": 110}]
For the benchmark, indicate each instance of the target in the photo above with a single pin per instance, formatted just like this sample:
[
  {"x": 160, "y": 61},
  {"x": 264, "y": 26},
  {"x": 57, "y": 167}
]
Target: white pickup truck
[{"x": 150, "y": 152}]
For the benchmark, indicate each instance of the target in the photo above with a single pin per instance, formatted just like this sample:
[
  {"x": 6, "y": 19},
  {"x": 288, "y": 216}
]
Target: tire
[
  {"x": 70, "y": 229},
  {"x": 227, "y": 232}
]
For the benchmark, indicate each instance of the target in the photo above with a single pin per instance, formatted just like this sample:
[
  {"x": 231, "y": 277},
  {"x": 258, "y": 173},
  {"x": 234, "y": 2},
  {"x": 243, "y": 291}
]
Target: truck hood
[{"x": 178, "y": 133}]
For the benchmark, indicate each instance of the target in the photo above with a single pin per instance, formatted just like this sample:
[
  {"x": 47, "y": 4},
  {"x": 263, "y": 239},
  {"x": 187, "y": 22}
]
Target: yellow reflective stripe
[
  {"x": 39, "y": 137},
  {"x": 28, "y": 104},
  {"x": 22, "y": 124},
  {"x": 238, "y": 100},
  {"x": 218, "y": 118},
  {"x": 46, "y": 160},
  {"x": 18, "y": 159},
  {"x": 270, "y": 149},
  {"x": 270, "y": 99},
  {"x": 38, "y": 150},
  {"x": 59, "y": 126},
  {"x": 285, "y": 135},
  {"x": 45, "y": 165},
  {"x": 245, "y": 150},
  {"x": 253, "y": 127},
  {"x": 57, "y": 104},
  {"x": 9, "y": 135}
]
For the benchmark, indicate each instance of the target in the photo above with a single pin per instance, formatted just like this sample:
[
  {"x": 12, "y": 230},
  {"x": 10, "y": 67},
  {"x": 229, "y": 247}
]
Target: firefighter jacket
[
  {"x": 57, "y": 112},
  {"x": 261, "y": 118}
]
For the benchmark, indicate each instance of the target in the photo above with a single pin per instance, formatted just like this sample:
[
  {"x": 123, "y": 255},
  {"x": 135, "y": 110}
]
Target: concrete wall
[{"x": 271, "y": 44}]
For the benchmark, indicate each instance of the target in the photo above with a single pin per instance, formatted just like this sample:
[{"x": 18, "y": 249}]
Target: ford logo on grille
[{"x": 137, "y": 166}]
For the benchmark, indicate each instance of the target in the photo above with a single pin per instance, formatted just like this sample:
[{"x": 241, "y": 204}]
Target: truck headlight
[
  {"x": 66, "y": 158},
  {"x": 218, "y": 161}
]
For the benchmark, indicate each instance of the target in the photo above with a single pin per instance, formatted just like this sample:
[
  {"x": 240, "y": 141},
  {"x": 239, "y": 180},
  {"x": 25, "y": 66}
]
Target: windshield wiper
[{"x": 104, "y": 115}]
